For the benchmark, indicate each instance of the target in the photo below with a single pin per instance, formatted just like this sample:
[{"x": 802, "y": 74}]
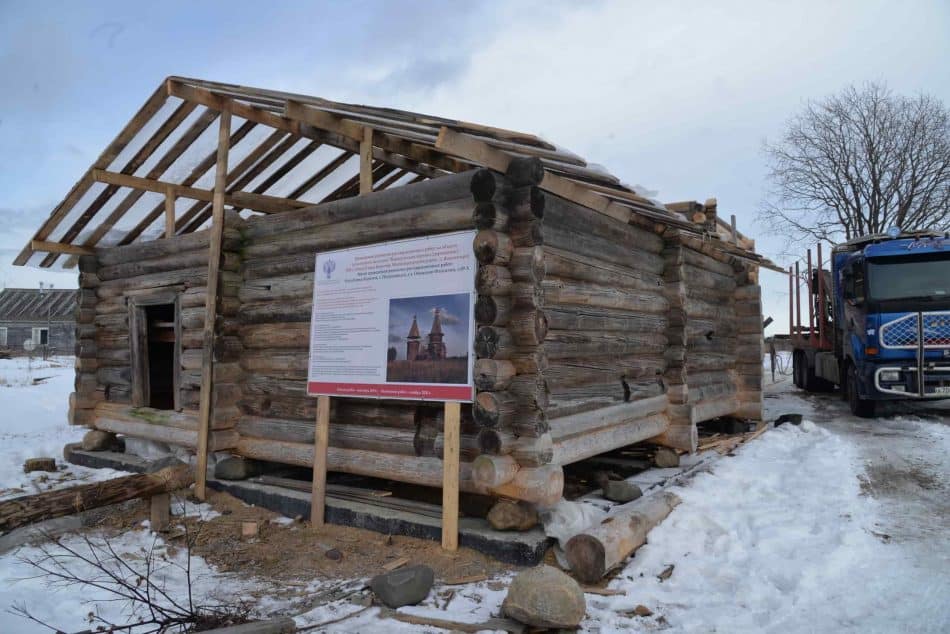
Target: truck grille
[{"x": 902, "y": 333}]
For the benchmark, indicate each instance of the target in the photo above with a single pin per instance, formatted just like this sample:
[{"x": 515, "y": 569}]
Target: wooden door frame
[{"x": 138, "y": 345}]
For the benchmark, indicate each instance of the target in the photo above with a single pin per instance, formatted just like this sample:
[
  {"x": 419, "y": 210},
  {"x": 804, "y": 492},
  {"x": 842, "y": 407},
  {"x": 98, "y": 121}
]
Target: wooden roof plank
[
  {"x": 152, "y": 105},
  {"x": 174, "y": 153},
  {"x": 196, "y": 173},
  {"x": 138, "y": 159}
]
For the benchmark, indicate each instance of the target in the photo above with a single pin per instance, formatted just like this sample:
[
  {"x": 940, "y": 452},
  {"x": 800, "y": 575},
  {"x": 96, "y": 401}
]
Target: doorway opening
[{"x": 161, "y": 355}]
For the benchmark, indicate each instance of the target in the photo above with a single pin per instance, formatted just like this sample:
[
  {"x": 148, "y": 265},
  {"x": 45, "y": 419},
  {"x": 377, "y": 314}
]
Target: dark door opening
[{"x": 161, "y": 355}]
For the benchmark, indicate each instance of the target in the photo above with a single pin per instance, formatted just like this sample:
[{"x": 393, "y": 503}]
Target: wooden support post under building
[
  {"x": 450, "y": 477},
  {"x": 321, "y": 439},
  {"x": 211, "y": 300},
  {"x": 169, "y": 213},
  {"x": 160, "y": 512}
]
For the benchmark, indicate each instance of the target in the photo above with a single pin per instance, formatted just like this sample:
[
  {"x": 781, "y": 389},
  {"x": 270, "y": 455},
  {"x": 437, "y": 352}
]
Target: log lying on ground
[
  {"x": 606, "y": 545},
  {"x": 29, "y": 509}
]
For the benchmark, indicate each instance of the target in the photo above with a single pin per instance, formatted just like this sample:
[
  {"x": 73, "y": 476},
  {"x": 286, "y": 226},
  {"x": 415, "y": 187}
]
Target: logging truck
[{"x": 878, "y": 322}]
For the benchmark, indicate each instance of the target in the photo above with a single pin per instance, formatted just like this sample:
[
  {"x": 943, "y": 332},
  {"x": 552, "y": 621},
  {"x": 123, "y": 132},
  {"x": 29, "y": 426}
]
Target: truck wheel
[
  {"x": 859, "y": 406},
  {"x": 797, "y": 369}
]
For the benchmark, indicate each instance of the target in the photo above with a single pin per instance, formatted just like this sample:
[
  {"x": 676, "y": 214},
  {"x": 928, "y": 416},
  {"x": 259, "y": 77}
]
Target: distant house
[{"x": 31, "y": 318}]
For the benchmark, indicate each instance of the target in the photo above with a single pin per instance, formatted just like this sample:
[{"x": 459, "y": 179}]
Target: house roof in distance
[
  {"x": 34, "y": 305},
  {"x": 288, "y": 151}
]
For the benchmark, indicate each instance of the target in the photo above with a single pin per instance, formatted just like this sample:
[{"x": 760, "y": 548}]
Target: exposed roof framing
[
  {"x": 32, "y": 305},
  {"x": 286, "y": 132}
]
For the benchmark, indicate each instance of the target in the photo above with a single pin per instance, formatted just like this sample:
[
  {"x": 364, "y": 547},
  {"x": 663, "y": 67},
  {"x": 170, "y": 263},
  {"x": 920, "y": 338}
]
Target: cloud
[{"x": 447, "y": 318}]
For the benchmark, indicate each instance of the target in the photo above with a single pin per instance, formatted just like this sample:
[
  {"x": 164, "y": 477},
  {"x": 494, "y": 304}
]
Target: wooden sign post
[
  {"x": 321, "y": 439},
  {"x": 450, "y": 476}
]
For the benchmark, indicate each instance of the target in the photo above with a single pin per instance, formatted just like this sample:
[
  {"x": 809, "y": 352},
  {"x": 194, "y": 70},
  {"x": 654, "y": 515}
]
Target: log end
[{"x": 587, "y": 557}]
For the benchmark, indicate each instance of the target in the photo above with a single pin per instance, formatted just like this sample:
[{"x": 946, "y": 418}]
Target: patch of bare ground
[{"x": 291, "y": 555}]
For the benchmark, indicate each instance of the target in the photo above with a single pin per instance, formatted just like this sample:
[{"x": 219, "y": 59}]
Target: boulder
[
  {"x": 621, "y": 491},
  {"x": 236, "y": 468},
  {"x": 512, "y": 516},
  {"x": 666, "y": 458},
  {"x": 98, "y": 440},
  {"x": 406, "y": 586},
  {"x": 545, "y": 597},
  {"x": 39, "y": 464}
]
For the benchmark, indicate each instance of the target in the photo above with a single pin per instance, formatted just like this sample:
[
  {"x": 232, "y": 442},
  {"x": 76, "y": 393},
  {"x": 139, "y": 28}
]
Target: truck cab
[{"x": 886, "y": 330}]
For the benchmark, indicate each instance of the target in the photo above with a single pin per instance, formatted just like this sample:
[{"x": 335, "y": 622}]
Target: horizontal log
[
  {"x": 488, "y": 215},
  {"x": 560, "y": 408},
  {"x": 277, "y": 289},
  {"x": 706, "y": 262},
  {"x": 493, "y": 375},
  {"x": 29, "y": 509},
  {"x": 493, "y": 280},
  {"x": 490, "y": 471},
  {"x": 527, "y": 265},
  {"x": 429, "y": 219},
  {"x": 493, "y": 343},
  {"x": 283, "y": 335},
  {"x": 492, "y": 247},
  {"x": 196, "y": 276},
  {"x": 284, "y": 364},
  {"x": 567, "y": 265},
  {"x": 451, "y": 187},
  {"x": 542, "y": 486},
  {"x": 109, "y": 418},
  {"x": 561, "y": 291},
  {"x": 680, "y": 435},
  {"x": 607, "y": 544},
  {"x": 526, "y": 233},
  {"x": 621, "y": 389},
  {"x": 526, "y": 202},
  {"x": 571, "y": 217},
  {"x": 572, "y": 448},
  {"x": 602, "y": 250},
  {"x": 230, "y": 261},
  {"x": 349, "y": 436},
  {"x": 153, "y": 249},
  {"x": 713, "y": 408},
  {"x": 494, "y": 409},
  {"x": 604, "y": 417},
  {"x": 530, "y": 390},
  {"x": 569, "y": 317},
  {"x": 527, "y": 327},
  {"x": 561, "y": 344},
  {"x": 527, "y": 451},
  {"x": 492, "y": 311}
]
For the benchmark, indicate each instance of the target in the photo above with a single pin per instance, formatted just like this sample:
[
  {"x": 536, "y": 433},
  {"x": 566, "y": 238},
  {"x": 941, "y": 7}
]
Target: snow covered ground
[{"x": 835, "y": 525}]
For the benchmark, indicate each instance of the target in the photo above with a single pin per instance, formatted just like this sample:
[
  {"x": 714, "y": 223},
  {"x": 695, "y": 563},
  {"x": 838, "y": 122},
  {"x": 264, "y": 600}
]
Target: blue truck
[{"x": 878, "y": 322}]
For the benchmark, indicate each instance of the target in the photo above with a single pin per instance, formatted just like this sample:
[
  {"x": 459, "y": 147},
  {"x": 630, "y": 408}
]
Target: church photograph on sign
[{"x": 437, "y": 355}]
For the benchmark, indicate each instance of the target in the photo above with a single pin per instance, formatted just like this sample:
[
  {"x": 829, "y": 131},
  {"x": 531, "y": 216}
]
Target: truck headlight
[{"x": 890, "y": 375}]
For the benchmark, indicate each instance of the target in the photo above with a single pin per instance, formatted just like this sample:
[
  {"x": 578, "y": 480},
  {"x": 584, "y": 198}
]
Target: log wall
[{"x": 591, "y": 333}]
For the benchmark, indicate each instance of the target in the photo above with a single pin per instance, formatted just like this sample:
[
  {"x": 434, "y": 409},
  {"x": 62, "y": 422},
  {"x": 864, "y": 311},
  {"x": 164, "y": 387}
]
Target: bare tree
[{"x": 860, "y": 162}]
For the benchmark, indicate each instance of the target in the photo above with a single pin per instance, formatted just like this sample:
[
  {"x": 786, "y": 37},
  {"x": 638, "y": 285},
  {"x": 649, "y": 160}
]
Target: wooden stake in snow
[
  {"x": 29, "y": 509},
  {"x": 606, "y": 545}
]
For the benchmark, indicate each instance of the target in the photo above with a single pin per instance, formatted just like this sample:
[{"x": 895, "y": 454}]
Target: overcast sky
[{"x": 676, "y": 97}]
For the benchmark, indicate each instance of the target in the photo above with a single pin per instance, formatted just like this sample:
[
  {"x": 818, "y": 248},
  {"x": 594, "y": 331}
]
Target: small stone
[
  {"x": 621, "y": 491},
  {"x": 666, "y": 458},
  {"x": 98, "y": 440},
  {"x": 333, "y": 554},
  {"x": 235, "y": 468},
  {"x": 642, "y": 610},
  {"x": 508, "y": 516},
  {"x": 406, "y": 586},
  {"x": 545, "y": 597},
  {"x": 39, "y": 464}
]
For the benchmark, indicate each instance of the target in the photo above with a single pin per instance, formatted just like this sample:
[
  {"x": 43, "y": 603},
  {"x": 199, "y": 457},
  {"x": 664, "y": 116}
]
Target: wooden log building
[
  {"x": 603, "y": 318},
  {"x": 37, "y": 321}
]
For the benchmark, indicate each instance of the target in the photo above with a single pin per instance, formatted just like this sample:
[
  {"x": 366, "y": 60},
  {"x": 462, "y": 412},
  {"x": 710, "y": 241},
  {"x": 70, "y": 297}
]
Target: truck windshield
[{"x": 918, "y": 277}]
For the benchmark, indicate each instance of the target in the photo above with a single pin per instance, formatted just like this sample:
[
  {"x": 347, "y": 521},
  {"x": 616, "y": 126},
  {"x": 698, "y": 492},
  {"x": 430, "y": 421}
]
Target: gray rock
[
  {"x": 162, "y": 463},
  {"x": 235, "y": 468},
  {"x": 621, "y": 491},
  {"x": 545, "y": 597},
  {"x": 511, "y": 516},
  {"x": 97, "y": 440},
  {"x": 666, "y": 458},
  {"x": 406, "y": 586}
]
